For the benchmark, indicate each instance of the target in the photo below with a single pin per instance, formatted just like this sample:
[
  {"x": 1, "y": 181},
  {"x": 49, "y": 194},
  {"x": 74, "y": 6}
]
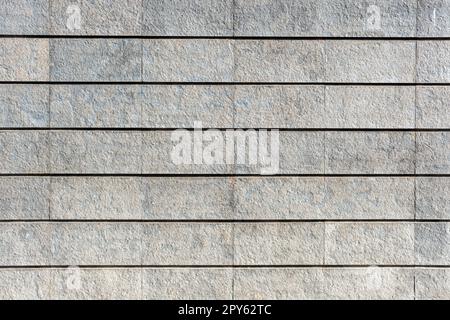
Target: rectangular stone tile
[
  {"x": 99, "y": 17},
  {"x": 25, "y": 284},
  {"x": 187, "y": 283},
  {"x": 432, "y": 18},
  {"x": 432, "y": 284},
  {"x": 324, "y": 198},
  {"x": 96, "y": 198},
  {"x": 187, "y": 198},
  {"x": 24, "y": 105},
  {"x": 433, "y": 198},
  {"x": 29, "y": 17},
  {"x": 370, "y": 61},
  {"x": 262, "y": 106},
  {"x": 433, "y": 152},
  {"x": 95, "y": 152},
  {"x": 24, "y": 59},
  {"x": 369, "y": 107},
  {"x": 24, "y": 244},
  {"x": 188, "y": 18},
  {"x": 369, "y": 243},
  {"x": 96, "y": 106},
  {"x": 89, "y": 243},
  {"x": 432, "y": 107},
  {"x": 181, "y": 106},
  {"x": 338, "y": 18},
  {"x": 369, "y": 153},
  {"x": 24, "y": 198},
  {"x": 432, "y": 242},
  {"x": 279, "y": 243},
  {"x": 184, "y": 60},
  {"x": 326, "y": 283},
  {"x": 100, "y": 60},
  {"x": 23, "y": 152},
  {"x": 432, "y": 57},
  {"x": 169, "y": 152},
  {"x": 187, "y": 244},
  {"x": 96, "y": 284},
  {"x": 279, "y": 61}
]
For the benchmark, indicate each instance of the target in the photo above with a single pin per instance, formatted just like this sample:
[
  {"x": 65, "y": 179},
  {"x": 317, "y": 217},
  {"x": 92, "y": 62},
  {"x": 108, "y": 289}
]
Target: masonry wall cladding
[{"x": 359, "y": 90}]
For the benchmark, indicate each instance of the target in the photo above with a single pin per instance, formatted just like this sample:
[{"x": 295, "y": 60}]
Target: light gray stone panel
[
  {"x": 24, "y": 105},
  {"x": 370, "y": 61},
  {"x": 25, "y": 198},
  {"x": 96, "y": 17},
  {"x": 369, "y": 243},
  {"x": 432, "y": 284},
  {"x": 432, "y": 61},
  {"x": 324, "y": 198},
  {"x": 369, "y": 153},
  {"x": 184, "y": 60},
  {"x": 95, "y": 152},
  {"x": 187, "y": 244},
  {"x": 432, "y": 243},
  {"x": 369, "y": 107},
  {"x": 188, "y": 18},
  {"x": 433, "y": 105},
  {"x": 23, "y": 152},
  {"x": 433, "y": 152},
  {"x": 433, "y": 198},
  {"x": 24, "y": 59},
  {"x": 100, "y": 60},
  {"x": 25, "y": 284},
  {"x": 88, "y": 106},
  {"x": 180, "y": 106},
  {"x": 279, "y": 243},
  {"x": 279, "y": 61},
  {"x": 28, "y": 17},
  {"x": 93, "y": 244},
  {"x": 24, "y": 244},
  {"x": 432, "y": 18},
  {"x": 187, "y": 283}
]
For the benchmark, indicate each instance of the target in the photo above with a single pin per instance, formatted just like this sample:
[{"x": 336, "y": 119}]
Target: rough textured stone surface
[
  {"x": 433, "y": 153},
  {"x": 97, "y": 17},
  {"x": 24, "y": 198},
  {"x": 190, "y": 60},
  {"x": 433, "y": 198},
  {"x": 24, "y": 17},
  {"x": 99, "y": 198},
  {"x": 324, "y": 198},
  {"x": 24, "y": 59},
  {"x": 188, "y": 18},
  {"x": 24, "y": 244},
  {"x": 369, "y": 107},
  {"x": 95, "y": 243},
  {"x": 279, "y": 61},
  {"x": 325, "y": 18},
  {"x": 432, "y": 107},
  {"x": 432, "y": 284},
  {"x": 432, "y": 57},
  {"x": 180, "y": 106},
  {"x": 370, "y": 61},
  {"x": 186, "y": 283},
  {"x": 369, "y": 153},
  {"x": 187, "y": 244},
  {"x": 95, "y": 152},
  {"x": 369, "y": 243},
  {"x": 23, "y": 152},
  {"x": 24, "y": 106},
  {"x": 432, "y": 18},
  {"x": 432, "y": 243},
  {"x": 95, "y": 60},
  {"x": 279, "y": 243},
  {"x": 95, "y": 106},
  {"x": 25, "y": 284}
]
